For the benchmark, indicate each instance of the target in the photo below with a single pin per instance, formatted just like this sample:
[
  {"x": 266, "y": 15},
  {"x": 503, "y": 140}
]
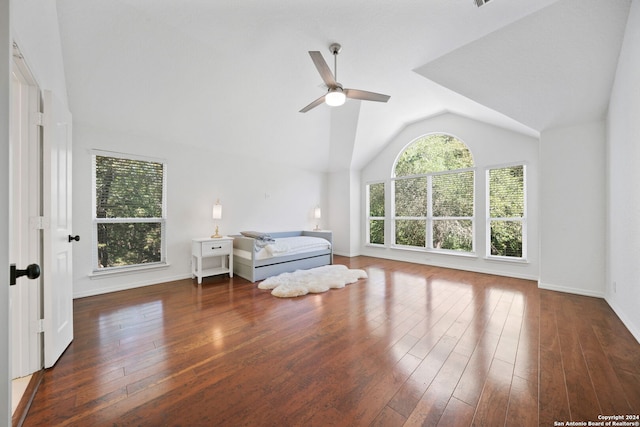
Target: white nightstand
[{"x": 219, "y": 250}]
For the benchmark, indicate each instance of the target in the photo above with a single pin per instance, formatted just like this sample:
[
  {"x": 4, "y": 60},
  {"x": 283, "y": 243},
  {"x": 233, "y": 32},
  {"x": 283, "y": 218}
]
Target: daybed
[{"x": 257, "y": 256}]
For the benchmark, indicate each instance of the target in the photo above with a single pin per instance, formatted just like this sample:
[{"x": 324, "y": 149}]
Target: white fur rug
[{"x": 314, "y": 280}]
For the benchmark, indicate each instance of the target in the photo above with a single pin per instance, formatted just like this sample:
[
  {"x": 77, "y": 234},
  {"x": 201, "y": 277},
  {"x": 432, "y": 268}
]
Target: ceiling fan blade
[
  {"x": 366, "y": 96},
  {"x": 323, "y": 69},
  {"x": 313, "y": 104}
]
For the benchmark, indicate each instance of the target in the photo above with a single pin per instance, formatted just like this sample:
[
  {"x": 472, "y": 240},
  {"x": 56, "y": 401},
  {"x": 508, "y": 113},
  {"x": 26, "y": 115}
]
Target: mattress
[{"x": 285, "y": 246}]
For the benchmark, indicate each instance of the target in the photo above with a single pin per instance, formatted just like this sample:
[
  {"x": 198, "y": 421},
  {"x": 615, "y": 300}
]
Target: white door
[{"x": 57, "y": 269}]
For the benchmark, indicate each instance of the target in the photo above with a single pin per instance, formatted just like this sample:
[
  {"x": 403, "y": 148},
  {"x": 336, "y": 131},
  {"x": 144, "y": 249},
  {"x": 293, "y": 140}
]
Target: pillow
[
  {"x": 277, "y": 248},
  {"x": 256, "y": 235}
]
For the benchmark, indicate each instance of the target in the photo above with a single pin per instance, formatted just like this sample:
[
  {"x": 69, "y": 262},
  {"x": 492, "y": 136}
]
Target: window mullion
[
  {"x": 127, "y": 220},
  {"x": 429, "y": 222}
]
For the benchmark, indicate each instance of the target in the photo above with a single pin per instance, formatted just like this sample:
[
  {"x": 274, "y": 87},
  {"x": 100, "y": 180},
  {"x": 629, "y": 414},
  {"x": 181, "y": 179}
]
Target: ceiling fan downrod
[{"x": 335, "y": 49}]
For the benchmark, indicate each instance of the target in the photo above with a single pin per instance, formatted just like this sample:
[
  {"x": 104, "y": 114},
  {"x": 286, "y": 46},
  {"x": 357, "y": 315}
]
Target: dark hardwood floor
[{"x": 410, "y": 345}]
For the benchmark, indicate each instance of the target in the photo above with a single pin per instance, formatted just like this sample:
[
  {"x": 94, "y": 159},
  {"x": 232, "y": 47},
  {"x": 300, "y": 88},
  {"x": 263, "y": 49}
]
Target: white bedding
[{"x": 286, "y": 246}]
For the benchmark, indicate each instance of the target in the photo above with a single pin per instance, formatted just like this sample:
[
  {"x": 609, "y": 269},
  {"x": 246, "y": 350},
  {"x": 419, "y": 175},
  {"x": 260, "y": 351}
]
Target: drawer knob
[{"x": 217, "y": 247}]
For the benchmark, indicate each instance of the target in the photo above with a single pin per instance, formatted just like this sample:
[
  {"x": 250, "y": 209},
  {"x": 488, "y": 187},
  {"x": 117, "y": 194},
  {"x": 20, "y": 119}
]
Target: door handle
[
  {"x": 72, "y": 238},
  {"x": 32, "y": 272}
]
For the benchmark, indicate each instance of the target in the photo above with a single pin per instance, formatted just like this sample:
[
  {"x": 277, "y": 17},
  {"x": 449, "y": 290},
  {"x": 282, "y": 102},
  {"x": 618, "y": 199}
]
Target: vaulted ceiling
[{"x": 232, "y": 76}]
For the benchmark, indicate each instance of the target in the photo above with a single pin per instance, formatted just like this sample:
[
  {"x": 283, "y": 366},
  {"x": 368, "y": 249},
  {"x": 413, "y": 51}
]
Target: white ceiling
[
  {"x": 552, "y": 68},
  {"x": 233, "y": 75}
]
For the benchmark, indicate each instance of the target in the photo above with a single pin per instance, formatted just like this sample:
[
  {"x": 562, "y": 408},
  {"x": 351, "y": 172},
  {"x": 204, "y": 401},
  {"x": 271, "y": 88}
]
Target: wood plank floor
[{"x": 410, "y": 345}]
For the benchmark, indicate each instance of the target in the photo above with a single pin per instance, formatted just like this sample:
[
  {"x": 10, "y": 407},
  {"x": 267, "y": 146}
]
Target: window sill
[
  {"x": 507, "y": 259},
  {"x": 436, "y": 251},
  {"x": 121, "y": 271},
  {"x": 375, "y": 245}
]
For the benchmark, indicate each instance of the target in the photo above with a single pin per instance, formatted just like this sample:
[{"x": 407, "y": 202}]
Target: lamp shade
[
  {"x": 335, "y": 97},
  {"x": 217, "y": 211},
  {"x": 317, "y": 213}
]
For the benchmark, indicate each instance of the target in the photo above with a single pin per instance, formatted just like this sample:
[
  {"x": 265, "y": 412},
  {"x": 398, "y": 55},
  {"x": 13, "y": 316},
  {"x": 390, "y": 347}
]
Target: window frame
[
  {"x": 370, "y": 218},
  {"x": 522, "y": 220},
  {"x": 95, "y": 269}
]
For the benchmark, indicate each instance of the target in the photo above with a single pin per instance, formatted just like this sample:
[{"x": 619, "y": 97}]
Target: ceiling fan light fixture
[{"x": 335, "y": 97}]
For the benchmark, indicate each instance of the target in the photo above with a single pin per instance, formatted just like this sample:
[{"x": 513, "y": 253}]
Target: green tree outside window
[
  {"x": 506, "y": 211},
  {"x": 376, "y": 213},
  {"x": 434, "y": 194}
]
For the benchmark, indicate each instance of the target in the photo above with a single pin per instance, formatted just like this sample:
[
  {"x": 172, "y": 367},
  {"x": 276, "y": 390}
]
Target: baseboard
[
  {"x": 27, "y": 399},
  {"x": 345, "y": 254},
  {"x": 569, "y": 290},
  {"x": 629, "y": 325},
  {"x": 131, "y": 285},
  {"x": 473, "y": 269}
]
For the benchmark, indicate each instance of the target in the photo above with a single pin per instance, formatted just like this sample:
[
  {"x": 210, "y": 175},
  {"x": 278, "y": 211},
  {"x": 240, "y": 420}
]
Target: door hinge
[
  {"x": 38, "y": 223},
  {"x": 37, "y": 118},
  {"x": 40, "y": 326}
]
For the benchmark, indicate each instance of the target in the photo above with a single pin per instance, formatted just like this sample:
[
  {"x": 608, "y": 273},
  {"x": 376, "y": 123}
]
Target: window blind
[{"x": 127, "y": 188}]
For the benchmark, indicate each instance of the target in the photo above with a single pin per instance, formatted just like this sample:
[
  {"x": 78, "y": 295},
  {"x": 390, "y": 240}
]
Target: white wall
[
  {"x": 344, "y": 188},
  {"x": 340, "y": 192},
  {"x": 35, "y": 29},
  {"x": 345, "y": 212},
  {"x": 623, "y": 266},
  {"x": 254, "y": 195},
  {"x": 572, "y": 209},
  {"x": 5, "y": 327},
  {"x": 490, "y": 146},
  {"x": 355, "y": 213}
]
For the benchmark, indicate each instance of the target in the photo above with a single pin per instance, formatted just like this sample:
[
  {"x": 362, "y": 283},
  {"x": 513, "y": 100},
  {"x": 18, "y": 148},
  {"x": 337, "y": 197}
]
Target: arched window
[{"x": 433, "y": 195}]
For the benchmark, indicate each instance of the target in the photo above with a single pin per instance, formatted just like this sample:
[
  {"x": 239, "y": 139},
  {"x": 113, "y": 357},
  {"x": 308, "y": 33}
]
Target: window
[
  {"x": 434, "y": 195},
  {"x": 129, "y": 211},
  {"x": 506, "y": 226},
  {"x": 375, "y": 213},
  {"x": 452, "y": 207}
]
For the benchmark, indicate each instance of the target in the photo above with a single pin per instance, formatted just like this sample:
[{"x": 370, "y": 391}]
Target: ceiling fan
[{"x": 336, "y": 95}]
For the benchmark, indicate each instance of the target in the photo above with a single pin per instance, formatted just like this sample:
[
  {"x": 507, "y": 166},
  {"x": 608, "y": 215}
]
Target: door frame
[
  {"x": 25, "y": 235},
  {"x": 5, "y": 106}
]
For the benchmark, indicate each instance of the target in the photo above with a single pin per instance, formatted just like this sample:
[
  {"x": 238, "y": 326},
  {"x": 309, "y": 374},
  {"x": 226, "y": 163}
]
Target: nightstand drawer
[{"x": 216, "y": 248}]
